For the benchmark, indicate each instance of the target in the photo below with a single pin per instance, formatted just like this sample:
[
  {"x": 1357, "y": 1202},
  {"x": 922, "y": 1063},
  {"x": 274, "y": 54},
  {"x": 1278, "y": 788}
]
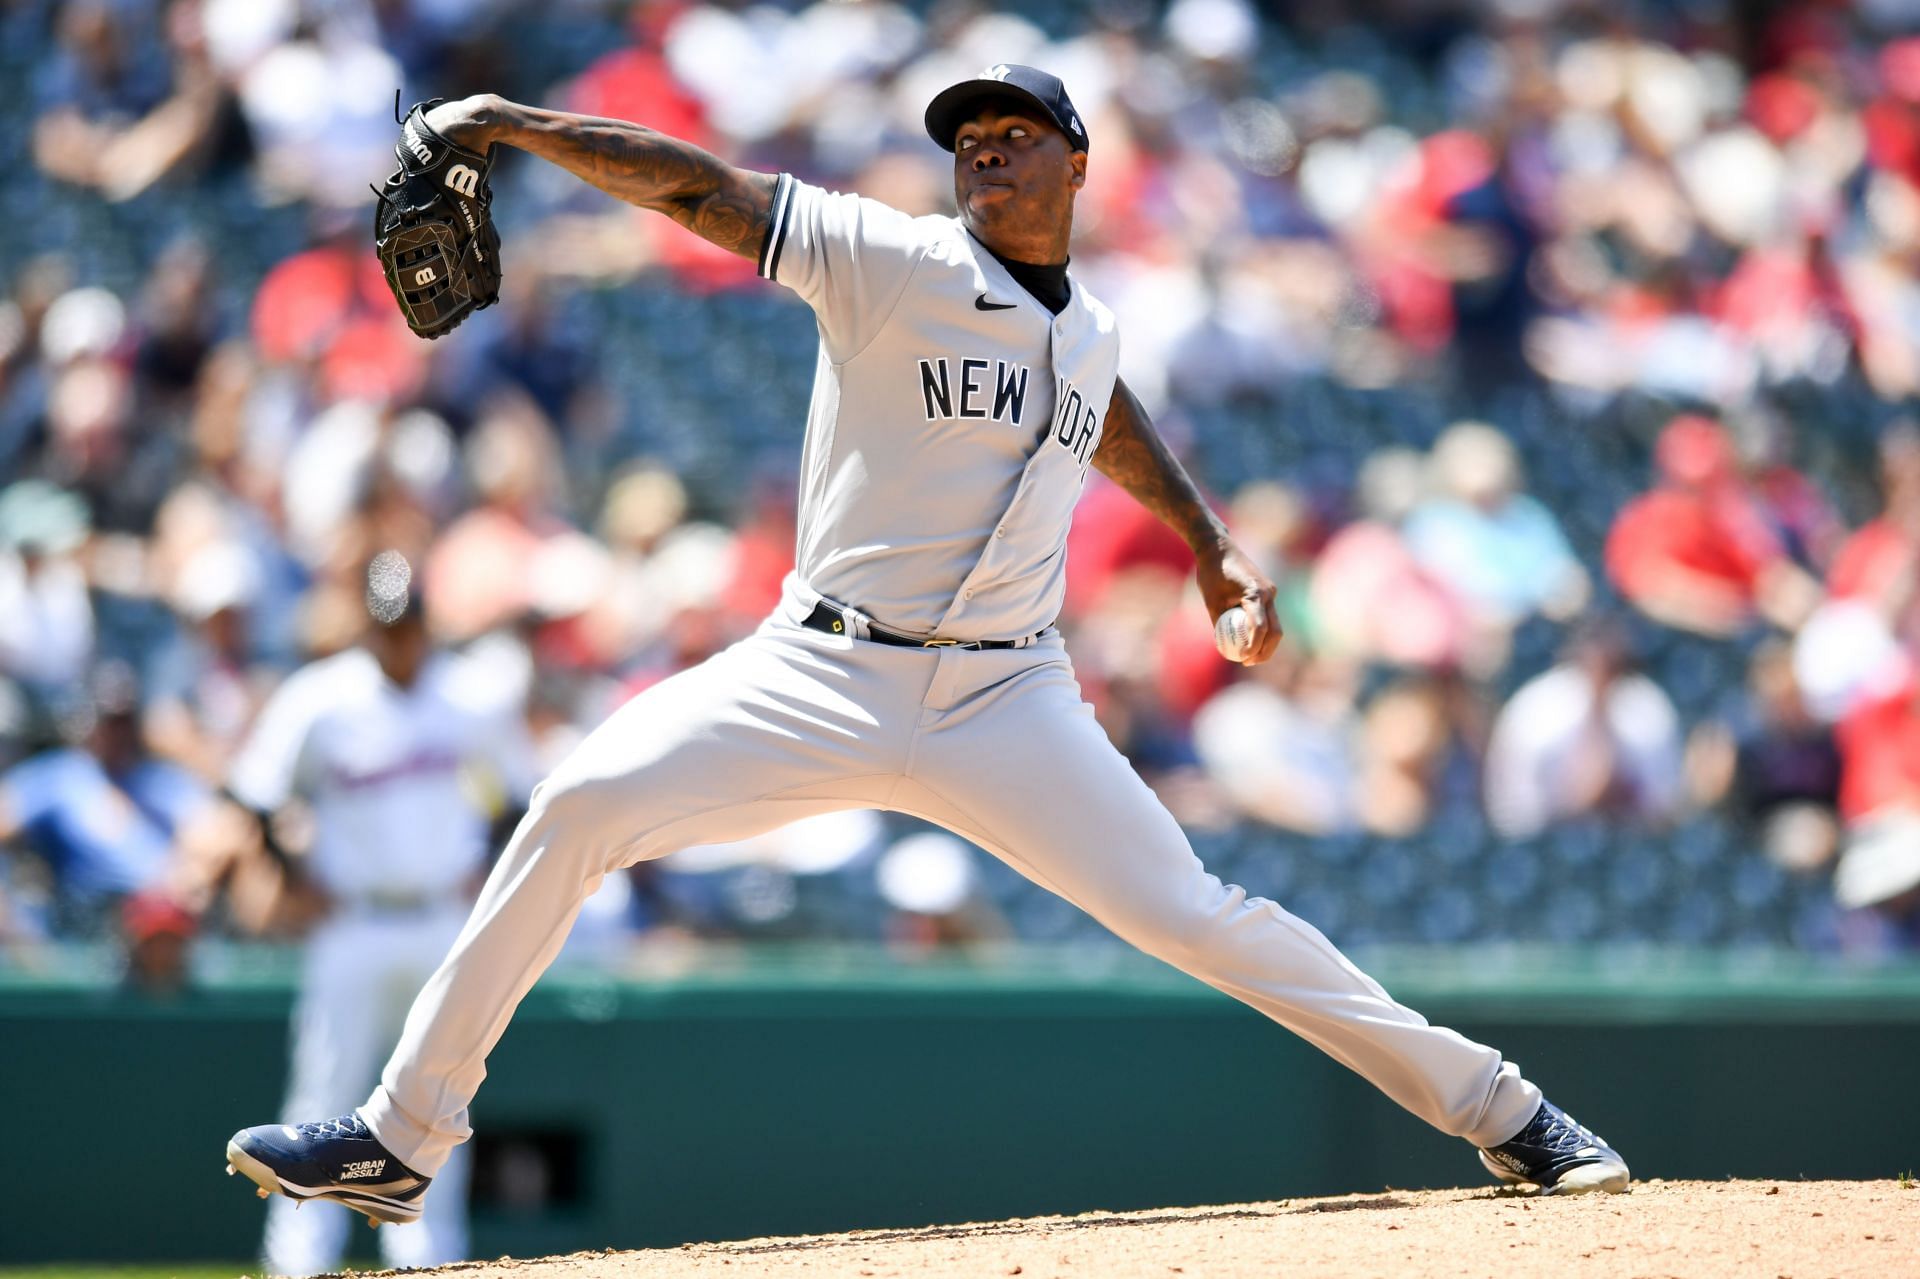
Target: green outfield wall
[{"x": 725, "y": 1095}]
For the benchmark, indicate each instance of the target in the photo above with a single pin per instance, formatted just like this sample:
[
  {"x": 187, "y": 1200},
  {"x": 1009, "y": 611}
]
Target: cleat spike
[
  {"x": 261, "y": 1192},
  {"x": 229, "y": 1170},
  {"x": 373, "y": 1223}
]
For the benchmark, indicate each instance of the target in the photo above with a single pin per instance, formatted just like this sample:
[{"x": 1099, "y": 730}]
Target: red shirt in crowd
[
  {"x": 1716, "y": 535},
  {"x": 1880, "y": 755},
  {"x": 1870, "y": 562}
]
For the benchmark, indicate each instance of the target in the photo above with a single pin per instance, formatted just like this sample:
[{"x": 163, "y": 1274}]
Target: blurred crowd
[{"x": 1555, "y": 357}]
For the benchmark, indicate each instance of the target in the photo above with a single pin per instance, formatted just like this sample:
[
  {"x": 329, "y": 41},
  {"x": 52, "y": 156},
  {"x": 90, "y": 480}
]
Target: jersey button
[
  {"x": 968, "y": 594},
  {"x": 1001, "y": 531}
]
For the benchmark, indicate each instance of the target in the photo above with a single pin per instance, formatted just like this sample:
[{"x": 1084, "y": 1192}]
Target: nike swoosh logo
[{"x": 981, "y": 304}]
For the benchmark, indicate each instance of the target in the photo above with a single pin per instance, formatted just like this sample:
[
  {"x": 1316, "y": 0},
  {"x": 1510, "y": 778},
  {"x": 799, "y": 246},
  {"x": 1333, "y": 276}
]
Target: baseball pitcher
[{"x": 965, "y": 383}]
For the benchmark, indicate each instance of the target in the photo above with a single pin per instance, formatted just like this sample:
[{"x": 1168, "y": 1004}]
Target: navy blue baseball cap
[{"x": 953, "y": 107}]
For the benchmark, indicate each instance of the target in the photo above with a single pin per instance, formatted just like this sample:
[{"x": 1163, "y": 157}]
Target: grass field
[{"x": 194, "y": 1270}]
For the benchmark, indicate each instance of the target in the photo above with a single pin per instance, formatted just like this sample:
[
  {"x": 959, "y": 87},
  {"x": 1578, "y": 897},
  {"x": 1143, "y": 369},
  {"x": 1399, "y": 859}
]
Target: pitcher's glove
[{"x": 433, "y": 230}]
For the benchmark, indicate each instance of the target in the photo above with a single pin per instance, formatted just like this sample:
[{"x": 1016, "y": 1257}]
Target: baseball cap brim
[{"x": 954, "y": 106}]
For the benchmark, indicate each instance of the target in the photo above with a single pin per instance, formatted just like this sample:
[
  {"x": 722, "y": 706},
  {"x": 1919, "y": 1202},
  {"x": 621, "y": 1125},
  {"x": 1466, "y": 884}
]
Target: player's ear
[{"x": 1077, "y": 163}]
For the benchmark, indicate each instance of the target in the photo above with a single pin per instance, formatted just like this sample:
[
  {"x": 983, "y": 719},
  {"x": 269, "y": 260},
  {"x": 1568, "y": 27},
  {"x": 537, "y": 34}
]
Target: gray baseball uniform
[{"x": 952, "y": 423}]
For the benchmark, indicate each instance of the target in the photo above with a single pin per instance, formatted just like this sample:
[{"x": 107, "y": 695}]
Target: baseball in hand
[{"x": 1233, "y": 634}]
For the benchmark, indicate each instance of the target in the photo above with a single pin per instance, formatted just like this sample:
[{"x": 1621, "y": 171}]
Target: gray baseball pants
[{"x": 995, "y": 745}]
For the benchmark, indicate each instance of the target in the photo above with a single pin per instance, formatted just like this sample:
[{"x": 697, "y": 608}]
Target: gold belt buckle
[{"x": 939, "y": 643}]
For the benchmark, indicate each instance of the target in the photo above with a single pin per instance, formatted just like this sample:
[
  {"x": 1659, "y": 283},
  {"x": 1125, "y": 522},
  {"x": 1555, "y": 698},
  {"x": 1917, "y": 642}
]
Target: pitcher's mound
[{"x": 1700, "y": 1230}]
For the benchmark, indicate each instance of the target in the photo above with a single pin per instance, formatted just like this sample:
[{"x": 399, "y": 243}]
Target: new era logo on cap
[{"x": 954, "y": 106}]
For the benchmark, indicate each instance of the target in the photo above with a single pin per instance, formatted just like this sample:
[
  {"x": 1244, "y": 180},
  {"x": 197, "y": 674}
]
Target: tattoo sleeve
[
  {"x": 703, "y": 193},
  {"x": 1133, "y": 455}
]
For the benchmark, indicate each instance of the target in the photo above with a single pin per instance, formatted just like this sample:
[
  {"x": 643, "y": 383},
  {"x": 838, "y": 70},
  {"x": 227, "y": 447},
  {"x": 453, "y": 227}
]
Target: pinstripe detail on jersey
[{"x": 776, "y": 227}]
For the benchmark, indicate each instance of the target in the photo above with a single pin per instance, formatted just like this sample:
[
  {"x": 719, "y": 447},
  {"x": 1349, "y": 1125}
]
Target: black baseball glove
[{"x": 433, "y": 229}]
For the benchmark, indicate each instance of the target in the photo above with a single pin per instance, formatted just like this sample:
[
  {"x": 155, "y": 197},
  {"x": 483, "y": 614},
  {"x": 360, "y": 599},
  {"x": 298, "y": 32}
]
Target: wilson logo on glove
[
  {"x": 414, "y": 143},
  {"x": 441, "y": 254}
]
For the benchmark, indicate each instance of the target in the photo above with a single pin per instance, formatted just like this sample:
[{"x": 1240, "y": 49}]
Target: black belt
[{"x": 826, "y": 617}]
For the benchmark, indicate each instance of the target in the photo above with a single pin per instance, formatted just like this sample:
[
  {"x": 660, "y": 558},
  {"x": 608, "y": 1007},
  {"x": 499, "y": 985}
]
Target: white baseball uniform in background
[
  {"x": 399, "y": 840},
  {"x": 952, "y": 423}
]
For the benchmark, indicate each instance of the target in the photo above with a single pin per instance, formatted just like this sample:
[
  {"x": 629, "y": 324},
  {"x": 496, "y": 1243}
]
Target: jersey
[
  {"x": 387, "y": 770},
  {"x": 952, "y": 421}
]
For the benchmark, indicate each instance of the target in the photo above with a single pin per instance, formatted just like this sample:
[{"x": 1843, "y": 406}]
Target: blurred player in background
[{"x": 404, "y": 758}]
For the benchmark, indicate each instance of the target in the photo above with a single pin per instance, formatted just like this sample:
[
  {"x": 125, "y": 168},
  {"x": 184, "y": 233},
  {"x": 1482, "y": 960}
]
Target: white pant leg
[
  {"x": 784, "y": 725},
  {"x": 1010, "y": 756}
]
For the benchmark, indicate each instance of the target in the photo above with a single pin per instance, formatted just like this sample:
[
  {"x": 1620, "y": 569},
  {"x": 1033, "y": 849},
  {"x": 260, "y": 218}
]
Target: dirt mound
[{"x": 1700, "y": 1230}]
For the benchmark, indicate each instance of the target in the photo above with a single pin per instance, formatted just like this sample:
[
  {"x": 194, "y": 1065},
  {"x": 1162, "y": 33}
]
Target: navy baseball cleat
[
  {"x": 1557, "y": 1155},
  {"x": 336, "y": 1159}
]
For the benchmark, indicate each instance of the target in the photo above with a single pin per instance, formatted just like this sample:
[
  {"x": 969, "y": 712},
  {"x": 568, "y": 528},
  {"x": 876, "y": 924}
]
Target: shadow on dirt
[
  {"x": 988, "y": 1230},
  {"x": 1353, "y": 1205}
]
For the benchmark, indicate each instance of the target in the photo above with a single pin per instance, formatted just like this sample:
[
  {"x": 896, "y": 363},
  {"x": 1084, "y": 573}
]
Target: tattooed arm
[
  {"x": 1133, "y": 455},
  {"x": 702, "y": 192}
]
